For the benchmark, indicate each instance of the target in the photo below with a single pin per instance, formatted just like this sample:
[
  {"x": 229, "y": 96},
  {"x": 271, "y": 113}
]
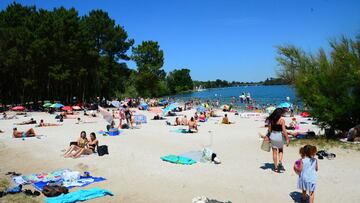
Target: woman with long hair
[{"x": 277, "y": 130}]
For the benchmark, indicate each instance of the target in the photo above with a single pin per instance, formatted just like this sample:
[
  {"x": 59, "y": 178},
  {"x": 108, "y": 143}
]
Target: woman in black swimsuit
[{"x": 90, "y": 148}]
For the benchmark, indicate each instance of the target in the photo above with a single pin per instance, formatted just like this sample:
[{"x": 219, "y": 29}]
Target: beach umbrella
[
  {"x": 67, "y": 108},
  {"x": 18, "y": 108},
  {"x": 284, "y": 105},
  {"x": 200, "y": 109},
  {"x": 270, "y": 109},
  {"x": 106, "y": 115},
  {"x": 115, "y": 104},
  {"x": 47, "y": 105},
  {"x": 76, "y": 107},
  {"x": 57, "y": 106},
  {"x": 144, "y": 105},
  {"x": 170, "y": 108}
]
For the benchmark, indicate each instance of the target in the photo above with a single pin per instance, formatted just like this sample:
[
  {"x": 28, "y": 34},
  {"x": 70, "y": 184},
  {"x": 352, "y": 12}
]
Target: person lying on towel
[{"x": 19, "y": 134}]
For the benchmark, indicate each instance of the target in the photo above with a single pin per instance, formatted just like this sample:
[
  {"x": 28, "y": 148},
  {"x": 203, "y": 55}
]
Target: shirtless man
[{"x": 19, "y": 134}]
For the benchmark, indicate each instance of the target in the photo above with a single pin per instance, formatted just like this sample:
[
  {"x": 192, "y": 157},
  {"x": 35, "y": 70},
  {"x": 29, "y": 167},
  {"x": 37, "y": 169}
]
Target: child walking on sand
[{"x": 308, "y": 169}]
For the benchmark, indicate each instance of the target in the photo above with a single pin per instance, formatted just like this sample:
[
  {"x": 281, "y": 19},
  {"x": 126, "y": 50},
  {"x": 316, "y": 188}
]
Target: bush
[{"x": 329, "y": 85}]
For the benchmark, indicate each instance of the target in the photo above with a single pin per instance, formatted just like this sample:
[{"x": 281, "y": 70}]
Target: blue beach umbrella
[
  {"x": 200, "y": 109},
  {"x": 170, "y": 108},
  {"x": 284, "y": 105}
]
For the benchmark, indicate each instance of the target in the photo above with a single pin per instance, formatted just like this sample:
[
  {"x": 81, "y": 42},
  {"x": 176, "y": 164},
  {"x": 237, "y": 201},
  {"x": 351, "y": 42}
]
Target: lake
[{"x": 263, "y": 95}]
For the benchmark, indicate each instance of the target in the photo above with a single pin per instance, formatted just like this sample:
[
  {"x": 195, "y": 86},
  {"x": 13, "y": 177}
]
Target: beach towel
[
  {"x": 194, "y": 155},
  {"x": 53, "y": 176},
  {"x": 181, "y": 130},
  {"x": 80, "y": 195},
  {"x": 82, "y": 182},
  {"x": 178, "y": 159},
  {"x": 110, "y": 133}
]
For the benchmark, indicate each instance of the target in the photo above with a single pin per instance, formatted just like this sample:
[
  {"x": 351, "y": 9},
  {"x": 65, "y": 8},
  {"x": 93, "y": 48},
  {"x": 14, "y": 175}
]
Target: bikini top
[{"x": 276, "y": 127}]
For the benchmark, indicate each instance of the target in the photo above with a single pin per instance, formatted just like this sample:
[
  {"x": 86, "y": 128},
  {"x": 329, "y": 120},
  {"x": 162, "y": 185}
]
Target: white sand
[{"x": 135, "y": 172}]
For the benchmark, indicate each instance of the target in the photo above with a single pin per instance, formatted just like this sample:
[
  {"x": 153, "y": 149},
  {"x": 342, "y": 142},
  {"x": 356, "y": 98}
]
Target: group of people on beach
[{"x": 83, "y": 146}]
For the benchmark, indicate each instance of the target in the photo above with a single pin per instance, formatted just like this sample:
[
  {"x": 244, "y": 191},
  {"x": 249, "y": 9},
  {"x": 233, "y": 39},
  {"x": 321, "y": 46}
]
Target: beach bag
[
  {"x": 54, "y": 191},
  {"x": 265, "y": 145},
  {"x": 102, "y": 150},
  {"x": 125, "y": 126}
]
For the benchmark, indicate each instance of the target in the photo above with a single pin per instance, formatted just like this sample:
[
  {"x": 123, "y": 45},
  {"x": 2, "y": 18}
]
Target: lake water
[{"x": 263, "y": 95}]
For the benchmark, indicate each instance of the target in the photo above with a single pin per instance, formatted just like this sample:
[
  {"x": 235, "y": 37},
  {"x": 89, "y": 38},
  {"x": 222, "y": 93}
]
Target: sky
[{"x": 224, "y": 39}]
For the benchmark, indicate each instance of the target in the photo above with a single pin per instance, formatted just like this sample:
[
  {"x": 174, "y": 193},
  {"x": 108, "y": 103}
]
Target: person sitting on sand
[
  {"x": 293, "y": 125},
  {"x": 157, "y": 117},
  {"x": 90, "y": 147},
  {"x": 19, "y": 134},
  {"x": 4, "y": 116},
  {"x": 354, "y": 134},
  {"x": 184, "y": 121},
  {"x": 196, "y": 116},
  {"x": 43, "y": 124},
  {"x": 192, "y": 125},
  {"x": 225, "y": 120},
  {"x": 202, "y": 117},
  {"x": 80, "y": 144}
]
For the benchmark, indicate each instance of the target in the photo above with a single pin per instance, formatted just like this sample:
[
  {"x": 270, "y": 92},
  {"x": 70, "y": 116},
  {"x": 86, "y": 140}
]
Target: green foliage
[
  {"x": 58, "y": 54},
  {"x": 179, "y": 81},
  {"x": 149, "y": 59},
  {"x": 329, "y": 85},
  {"x": 274, "y": 81}
]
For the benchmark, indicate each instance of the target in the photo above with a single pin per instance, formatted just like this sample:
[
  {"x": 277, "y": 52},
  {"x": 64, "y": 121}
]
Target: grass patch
[
  {"x": 18, "y": 198},
  {"x": 325, "y": 143},
  {"x": 14, "y": 198},
  {"x": 4, "y": 184}
]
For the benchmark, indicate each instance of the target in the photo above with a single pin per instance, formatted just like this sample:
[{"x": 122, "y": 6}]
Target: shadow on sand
[
  {"x": 296, "y": 196},
  {"x": 267, "y": 166}
]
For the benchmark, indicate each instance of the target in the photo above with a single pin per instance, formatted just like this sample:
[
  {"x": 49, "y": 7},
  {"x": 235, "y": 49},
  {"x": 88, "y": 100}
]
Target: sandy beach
[{"x": 135, "y": 172}]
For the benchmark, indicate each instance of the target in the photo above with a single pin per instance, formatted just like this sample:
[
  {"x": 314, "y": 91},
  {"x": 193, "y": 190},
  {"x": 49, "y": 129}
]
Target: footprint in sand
[{"x": 82, "y": 166}]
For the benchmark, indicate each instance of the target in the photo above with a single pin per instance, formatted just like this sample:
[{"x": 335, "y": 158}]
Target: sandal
[{"x": 281, "y": 167}]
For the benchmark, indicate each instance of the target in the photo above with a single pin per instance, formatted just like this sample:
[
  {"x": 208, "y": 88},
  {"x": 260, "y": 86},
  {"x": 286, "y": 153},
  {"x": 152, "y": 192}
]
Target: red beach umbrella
[
  {"x": 67, "y": 108},
  {"x": 18, "y": 108}
]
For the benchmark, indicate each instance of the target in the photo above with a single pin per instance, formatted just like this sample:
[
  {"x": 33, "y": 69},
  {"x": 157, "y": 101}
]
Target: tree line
[
  {"x": 224, "y": 83},
  {"x": 58, "y": 55}
]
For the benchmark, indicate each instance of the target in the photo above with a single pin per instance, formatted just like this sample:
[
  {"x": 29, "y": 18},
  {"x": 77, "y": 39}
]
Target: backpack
[
  {"x": 125, "y": 126},
  {"x": 54, "y": 191},
  {"x": 102, "y": 150}
]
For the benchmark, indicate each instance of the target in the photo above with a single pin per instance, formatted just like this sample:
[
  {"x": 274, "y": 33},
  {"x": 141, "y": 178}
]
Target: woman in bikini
[
  {"x": 192, "y": 125},
  {"x": 81, "y": 143},
  {"x": 43, "y": 124},
  {"x": 89, "y": 148}
]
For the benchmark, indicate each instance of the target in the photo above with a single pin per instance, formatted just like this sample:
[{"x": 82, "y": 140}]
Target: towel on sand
[
  {"x": 178, "y": 159},
  {"x": 80, "y": 195},
  {"x": 82, "y": 182}
]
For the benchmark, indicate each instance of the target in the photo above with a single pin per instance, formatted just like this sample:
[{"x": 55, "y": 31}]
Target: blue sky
[{"x": 226, "y": 39}]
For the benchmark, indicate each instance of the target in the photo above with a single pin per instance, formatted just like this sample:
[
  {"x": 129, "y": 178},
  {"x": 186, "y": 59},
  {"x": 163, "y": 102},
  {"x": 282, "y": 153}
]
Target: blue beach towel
[
  {"x": 181, "y": 130},
  {"x": 40, "y": 185},
  {"x": 178, "y": 159},
  {"x": 80, "y": 195}
]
